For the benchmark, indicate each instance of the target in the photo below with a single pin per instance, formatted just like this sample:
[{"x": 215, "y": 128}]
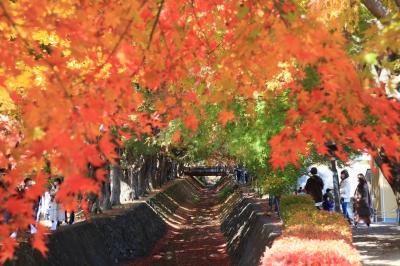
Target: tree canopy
[{"x": 81, "y": 77}]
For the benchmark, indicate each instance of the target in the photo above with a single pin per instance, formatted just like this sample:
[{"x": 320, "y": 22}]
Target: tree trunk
[
  {"x": 115, "y": 179},
  {"x": 335, "y": 185},
  {"x": 167, "y": 175},
  {"x": 174, "y": 167},
  {"x": 376, "y": 7},
  {"x": 146, "y": 175},
  {"x": 166, "y": 171},
  {"x": 106, "y": 195},
  {"x": 394, "y": 179},
  {"x": 155, "y": 164},
  {"x": 161, "y": 170},
  {"x": 143, "y": 176},
  {"x": 135, "y": 172},
  {"x": 152, "y": 172},
  {"x": 134, "y": 182}
]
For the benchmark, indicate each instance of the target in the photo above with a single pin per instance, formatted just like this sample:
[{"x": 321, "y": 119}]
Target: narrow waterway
[{"x": 194, "y": 237}]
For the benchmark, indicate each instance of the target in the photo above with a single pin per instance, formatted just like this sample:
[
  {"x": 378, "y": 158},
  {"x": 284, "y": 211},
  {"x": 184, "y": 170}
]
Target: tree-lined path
[
  {"x": 194, "y": 238},
  {"x": 102, "y": 102}
]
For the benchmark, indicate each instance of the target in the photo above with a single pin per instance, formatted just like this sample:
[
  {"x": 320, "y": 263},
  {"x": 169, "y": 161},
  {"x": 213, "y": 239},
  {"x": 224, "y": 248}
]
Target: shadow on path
[
  {"x": 193, "y": 239},
  {"x": 379, "y": 244}
]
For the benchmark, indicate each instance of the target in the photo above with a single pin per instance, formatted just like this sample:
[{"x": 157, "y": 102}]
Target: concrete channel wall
[
  {"x": 128, "y": 234},
  {"x": 103, "y": 241},
  {"x": 247, "y": 228},
  {"x": 109, "y": 239}
]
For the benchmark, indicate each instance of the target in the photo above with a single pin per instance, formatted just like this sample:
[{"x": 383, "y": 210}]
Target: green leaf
[
  {"x": 38, "y": 133},
  {"x": 371, "y": 58},
  {"x": 312, "y": 78},
  {"x": 243, "y": 11}
]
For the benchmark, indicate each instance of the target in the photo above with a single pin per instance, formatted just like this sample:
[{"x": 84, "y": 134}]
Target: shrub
[
  {"x": 226, "y": 191},
  {"x": 318, "y": 218},
  {"x": 322, "y": 232},
  {"x": 292, "y": 204},
  {"x": 289, "y": 200},
  {"x": 311, "y": 225},
  {"x": 297, "y": 251},
  {"x": 311, "y": 237}
]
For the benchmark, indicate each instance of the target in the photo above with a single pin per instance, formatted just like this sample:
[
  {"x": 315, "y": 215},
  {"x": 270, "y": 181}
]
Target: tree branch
[
  {"x": 121, "y": 37},
  {"x": 397, "y": 3},
  {"x": 117, "y": 44},
  {"x": 29, "y": 47},
  {"x": 377, "y": 8},
  {"x": 155, "y": 24}
]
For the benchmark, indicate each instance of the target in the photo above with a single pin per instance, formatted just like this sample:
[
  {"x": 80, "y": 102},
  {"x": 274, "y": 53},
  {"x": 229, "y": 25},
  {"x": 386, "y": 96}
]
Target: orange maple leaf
[
  {"x": 170, "y": 101},
  {"x": 191, "y": 122},
  {"x": 38, "y": 240},
  {"x": 176, "y": 137},
  {"x": 7, "y": 249},
  {"x": 107, "y": 147},
  {"x": 225, "y": 117}
]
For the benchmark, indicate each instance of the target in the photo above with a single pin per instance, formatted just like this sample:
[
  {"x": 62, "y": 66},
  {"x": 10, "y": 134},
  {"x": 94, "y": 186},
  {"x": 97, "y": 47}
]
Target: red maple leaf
[
  {"x": 226, "y": 116},
  {"x": 38, "y": 240}
]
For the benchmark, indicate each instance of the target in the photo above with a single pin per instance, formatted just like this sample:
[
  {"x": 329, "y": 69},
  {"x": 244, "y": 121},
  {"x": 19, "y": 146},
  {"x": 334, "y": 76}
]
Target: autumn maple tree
[{"x": 77, "y": 74}]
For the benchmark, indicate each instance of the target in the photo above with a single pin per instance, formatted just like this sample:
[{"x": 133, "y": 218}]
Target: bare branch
[
  {"x": 155, "y": 23},
  {"x": 377, "y": 8}
]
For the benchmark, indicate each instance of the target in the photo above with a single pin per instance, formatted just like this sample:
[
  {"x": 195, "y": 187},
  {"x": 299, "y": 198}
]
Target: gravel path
[{"x": 379, "y": 244}]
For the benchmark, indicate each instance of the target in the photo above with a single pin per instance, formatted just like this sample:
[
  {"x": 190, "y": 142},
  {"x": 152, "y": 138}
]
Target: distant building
[{"x": 383, "y": 199}]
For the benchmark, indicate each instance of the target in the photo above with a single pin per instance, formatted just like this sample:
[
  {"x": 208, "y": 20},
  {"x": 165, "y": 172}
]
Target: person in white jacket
[
  {"x": 56, "y": 212},
  {"x": 345, "y": 193}
]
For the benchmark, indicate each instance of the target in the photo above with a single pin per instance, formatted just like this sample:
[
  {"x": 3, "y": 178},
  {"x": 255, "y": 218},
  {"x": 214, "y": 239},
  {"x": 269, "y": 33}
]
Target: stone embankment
[
  {"x": 102, "y": 241},
  {"x": 248, "y": 228}
]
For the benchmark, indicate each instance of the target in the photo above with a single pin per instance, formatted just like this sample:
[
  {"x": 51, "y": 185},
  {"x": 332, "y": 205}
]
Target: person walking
[
  {"x": 362, "y": 202},
  {"x": 239, "y": 174},
  {"x": 314, "y": 187},
  {"x": 69, "y": 220},
  {"x": 345, "y": 190}
]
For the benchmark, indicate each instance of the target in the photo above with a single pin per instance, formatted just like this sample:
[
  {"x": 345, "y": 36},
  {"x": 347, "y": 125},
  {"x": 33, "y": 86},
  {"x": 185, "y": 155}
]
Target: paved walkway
[{"x": 379, "y": 244}]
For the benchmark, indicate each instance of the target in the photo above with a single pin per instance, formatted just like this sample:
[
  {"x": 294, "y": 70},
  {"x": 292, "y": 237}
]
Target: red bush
[
  {"x": 298, "y": 251},
  {"x": 312, "y": 237}
]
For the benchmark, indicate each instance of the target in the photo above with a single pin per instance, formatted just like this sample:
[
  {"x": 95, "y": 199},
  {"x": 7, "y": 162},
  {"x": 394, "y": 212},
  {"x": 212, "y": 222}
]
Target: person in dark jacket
[
  {"x": 329, "y": 203},
  {"x": 314, "y": 187},
  {"x": 362, "y": 202}
]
